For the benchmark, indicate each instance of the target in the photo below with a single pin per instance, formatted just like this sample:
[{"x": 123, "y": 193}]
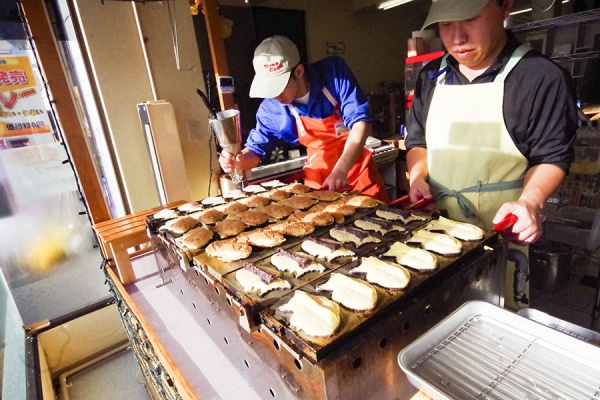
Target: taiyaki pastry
[
  {"x": 179, "y": 225},
  {"x": 255, "y": 201},
  {"x": 190, "y": 207},
  {"x": 229, "y": 250},
  {"x": 232, "y": 208},
  {"x": 276, "y": 195},
  {"x": 262, "y": 238},
  {"x": 345, "y": 234},
  {"x": 234, "y": 194},
  {"x": 165, "y": 213},
  {"x": 411, "y": 257},
  {"x": 253, "y": 218},
  {"x": 254, "y": 279},
  {"x": 213, "y": 201},
  {"x": 291, "y": 228},
  {"x": 314, "y": 315},
  {"x": 254, "y": 189},
  {"x": 378, "y": 225},
  {"x": 296, "y": 187},
  {"x": 317, "y": 218},
  {"x": 275, "y": 211},
  {"x": 383, "y": 273},
  {"x": 361, "y": 201},
  {"x": 229, "y": 227},
  {"x": 208, "y": 217},
  {"x": 438, "y": 243},
  {"x": 272, "y": 184},
  {"x": 327, "y": 249},
  {"x": 396, "y": 214},
  {"x": 339, "y": 208},
  {"x": 322, "y": 195},
  {"x": 459, "y": 230},
  {"x": 195, "y": 239},
  {"x": 298, "y": 202},
  {"x": 295, "y": 263},
  {"x": 350, "y": 292}
]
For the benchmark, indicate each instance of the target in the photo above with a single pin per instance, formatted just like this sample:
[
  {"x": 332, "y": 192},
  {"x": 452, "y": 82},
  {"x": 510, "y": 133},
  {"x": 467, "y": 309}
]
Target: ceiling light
[{"x": 386, "y": 5}]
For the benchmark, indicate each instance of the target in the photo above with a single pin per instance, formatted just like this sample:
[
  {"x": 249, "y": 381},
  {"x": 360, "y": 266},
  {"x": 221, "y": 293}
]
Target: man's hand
[
  {"x": 528, "y": 228},
  {"x": 336, "y": 181},
  {"x": 246, "y": 159},
  {"x": 419, "y": 189}
]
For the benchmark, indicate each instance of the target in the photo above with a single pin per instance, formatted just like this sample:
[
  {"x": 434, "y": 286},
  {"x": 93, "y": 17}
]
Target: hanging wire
[{"x": 51, "y": 101}]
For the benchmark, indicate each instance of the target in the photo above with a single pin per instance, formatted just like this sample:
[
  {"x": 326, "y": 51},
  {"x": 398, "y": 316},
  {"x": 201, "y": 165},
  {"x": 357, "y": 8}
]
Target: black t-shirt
[{"x": 539, "y": 106}]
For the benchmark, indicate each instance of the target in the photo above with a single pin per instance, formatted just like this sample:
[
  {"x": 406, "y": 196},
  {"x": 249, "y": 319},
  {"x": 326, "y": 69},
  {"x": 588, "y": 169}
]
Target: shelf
[
  {"x": 570, "y": 19},
  {"x": 577, "y": 56}
]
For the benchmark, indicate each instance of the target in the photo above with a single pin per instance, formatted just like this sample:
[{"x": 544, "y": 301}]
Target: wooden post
[{"x": 217, "y": 47}]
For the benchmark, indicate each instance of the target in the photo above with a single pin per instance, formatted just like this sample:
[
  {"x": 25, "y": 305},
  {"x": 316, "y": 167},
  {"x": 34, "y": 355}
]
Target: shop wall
[
  {"x": 118, "y": 58},
  {"x": 374, "y": 40}
]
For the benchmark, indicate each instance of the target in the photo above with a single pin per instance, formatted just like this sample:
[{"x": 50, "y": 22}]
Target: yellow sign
[{"x": 22, "y": 108}]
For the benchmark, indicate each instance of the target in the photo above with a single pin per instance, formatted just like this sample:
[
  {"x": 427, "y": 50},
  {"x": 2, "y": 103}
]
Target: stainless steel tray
[
  {"x": 565, "y": 327},
  {"x": 483, "y": 351}
]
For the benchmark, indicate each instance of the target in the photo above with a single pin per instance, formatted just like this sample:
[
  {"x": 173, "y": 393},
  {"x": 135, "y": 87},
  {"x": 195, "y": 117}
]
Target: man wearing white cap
[
  {"x": 492, "y": 124},
  {"x": 321, "y": 107}
]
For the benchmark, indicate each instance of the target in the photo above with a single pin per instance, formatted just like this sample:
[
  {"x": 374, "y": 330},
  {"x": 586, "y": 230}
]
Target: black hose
[{"x": 521, "y": 274}]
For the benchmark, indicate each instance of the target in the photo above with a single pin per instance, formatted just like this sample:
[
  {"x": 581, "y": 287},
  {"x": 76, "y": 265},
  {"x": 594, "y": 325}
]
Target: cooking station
[
  {"x": 384, "y": 154},
  {"x": 360, "y": 360}
]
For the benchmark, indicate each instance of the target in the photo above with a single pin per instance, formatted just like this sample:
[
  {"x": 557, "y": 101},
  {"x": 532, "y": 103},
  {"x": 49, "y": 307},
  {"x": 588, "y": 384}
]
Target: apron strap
[
  {"x": 299, "y": 124},
  {"x": 467, "y": 208},
  {"x": 514, "y": 59},
  {"x": 442, "y": 77}
]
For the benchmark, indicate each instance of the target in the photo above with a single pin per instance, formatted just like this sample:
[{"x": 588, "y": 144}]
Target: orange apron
[{"x": 324, "y": 140}]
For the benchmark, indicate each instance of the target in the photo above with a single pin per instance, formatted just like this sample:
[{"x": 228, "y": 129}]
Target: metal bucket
[{"x": 548, "y": 266}]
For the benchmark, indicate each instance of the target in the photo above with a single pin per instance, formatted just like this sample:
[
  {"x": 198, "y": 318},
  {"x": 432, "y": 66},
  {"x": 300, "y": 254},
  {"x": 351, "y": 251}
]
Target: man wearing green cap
[{"x": 492, "y": 124}]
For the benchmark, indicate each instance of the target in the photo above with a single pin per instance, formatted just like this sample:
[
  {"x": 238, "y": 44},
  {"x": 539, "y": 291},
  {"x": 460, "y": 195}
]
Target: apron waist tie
[{"x": 467, "y": 208}]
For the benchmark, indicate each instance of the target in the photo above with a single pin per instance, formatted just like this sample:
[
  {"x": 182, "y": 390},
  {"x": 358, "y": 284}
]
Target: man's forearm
[
  {"x": 353, "y": 147},
  {"x": 416, "y": 164},
  {"x": 541, "y": 181}
]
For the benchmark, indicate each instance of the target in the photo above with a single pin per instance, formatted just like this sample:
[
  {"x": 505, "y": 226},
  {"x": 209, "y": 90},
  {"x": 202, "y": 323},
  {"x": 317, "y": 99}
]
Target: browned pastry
[
  {"x": 255, "y": 201},
  {"x": 232, "y": 208},
  {"x": 317, "y": 218},
  {"x": 339, "y": 208},
  {"x": 322, "y": 195},
  {"x": 291, "y": 228},
  {"x": 298, "y": 202},
  {"x": 196, "y": 238},
  {"x": 229, "y": 227},
  {"x": 208, "y": 217},
  {"x": 229, "y": 250},
  {"x": 296, "y": 187},
  {"x": 363, "y": 201},
  {"x": 253, "y": 218},
  {"x": 276, "y": 195},
  {"x": 276, "y": 211},
  {"x": 262, "y": 238},
  {"x": 179, "y": 225}
]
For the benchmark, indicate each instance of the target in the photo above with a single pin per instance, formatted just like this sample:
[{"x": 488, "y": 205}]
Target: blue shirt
[{"x": 275, "y": 121}]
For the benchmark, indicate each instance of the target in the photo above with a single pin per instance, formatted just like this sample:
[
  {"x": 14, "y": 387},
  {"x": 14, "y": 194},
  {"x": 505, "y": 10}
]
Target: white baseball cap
[
  {"x": 273, "y": 62},
  {"x": 453, "y": 10}
]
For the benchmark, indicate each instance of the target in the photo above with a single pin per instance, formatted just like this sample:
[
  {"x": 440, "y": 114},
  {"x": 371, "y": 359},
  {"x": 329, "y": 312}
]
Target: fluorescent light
[
  {"x": 386, "y": 5},
  {"x": 521, "y": 11}
]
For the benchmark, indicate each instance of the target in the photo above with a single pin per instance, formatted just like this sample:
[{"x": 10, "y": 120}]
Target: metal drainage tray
[{"x": 481, "y": 351}]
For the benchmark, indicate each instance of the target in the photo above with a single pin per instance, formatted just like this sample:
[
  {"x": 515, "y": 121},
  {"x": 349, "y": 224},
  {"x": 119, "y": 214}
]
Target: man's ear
[
  {"x": 299, "y": 71},
  {"x": 507, "y": 6}
]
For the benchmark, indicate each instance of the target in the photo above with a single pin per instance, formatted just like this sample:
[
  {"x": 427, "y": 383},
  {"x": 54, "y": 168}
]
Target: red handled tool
[
  {"x": 506, "y": 223},
  {"x": 405, "y": 199}
]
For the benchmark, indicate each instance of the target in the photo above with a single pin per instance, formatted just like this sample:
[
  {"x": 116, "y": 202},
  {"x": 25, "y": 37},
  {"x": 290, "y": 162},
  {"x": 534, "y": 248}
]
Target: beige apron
[{"x": 474, "y": 165}]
